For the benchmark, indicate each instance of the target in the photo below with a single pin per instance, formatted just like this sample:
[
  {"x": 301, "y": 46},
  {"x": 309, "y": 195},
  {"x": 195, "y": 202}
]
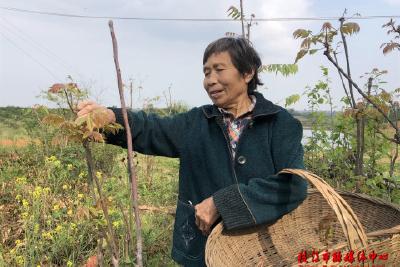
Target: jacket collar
[{"x": 263, "y": 107}]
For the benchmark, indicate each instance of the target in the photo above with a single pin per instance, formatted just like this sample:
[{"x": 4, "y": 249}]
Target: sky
[{"x": 37, "y": 51}]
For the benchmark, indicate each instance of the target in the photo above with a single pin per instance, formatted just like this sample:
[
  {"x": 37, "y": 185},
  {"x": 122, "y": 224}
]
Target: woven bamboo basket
[{"x": 327, "y": 220}]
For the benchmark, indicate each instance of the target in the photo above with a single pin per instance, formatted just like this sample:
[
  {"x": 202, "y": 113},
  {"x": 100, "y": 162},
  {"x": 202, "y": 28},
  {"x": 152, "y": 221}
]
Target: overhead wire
[
  {"x": 28, "y": 39},
  {"x": 30, "y": 56},
  {"x": 190, "y": 19},
  {"x": 48, "y": 13}
]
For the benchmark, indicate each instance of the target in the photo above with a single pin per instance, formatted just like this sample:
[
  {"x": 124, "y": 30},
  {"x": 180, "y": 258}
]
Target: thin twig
[
  {"x": 126, "y": 221},
  {"x": 385, "y": 136},
  {"x": 131, "y": 167},
  {"x": 115, "y": 254},
  {"x": 68, "y": 101},
  {"x": 242, "y": 18},
  {"x": 327, "y": 54},
  {"x": 104, "y": 232},
  {"x": 344, "y": 86},
  {"x": 346, "y": 52}
]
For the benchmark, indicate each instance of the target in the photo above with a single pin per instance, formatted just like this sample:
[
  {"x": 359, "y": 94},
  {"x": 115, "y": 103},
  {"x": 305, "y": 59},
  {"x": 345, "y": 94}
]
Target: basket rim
[{"x": 372, "y": 199}]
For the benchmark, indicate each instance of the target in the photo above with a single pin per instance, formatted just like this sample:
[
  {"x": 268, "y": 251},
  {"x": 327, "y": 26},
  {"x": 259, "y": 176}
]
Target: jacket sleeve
[
  {"x": 151, "y": 134},
  {"x": 266, "y": 199}
]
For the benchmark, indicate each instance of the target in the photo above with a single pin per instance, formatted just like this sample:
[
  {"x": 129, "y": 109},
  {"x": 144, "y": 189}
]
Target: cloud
[
  {"x": 393, "y": 2},
  {"x": 276, "y": 37}
]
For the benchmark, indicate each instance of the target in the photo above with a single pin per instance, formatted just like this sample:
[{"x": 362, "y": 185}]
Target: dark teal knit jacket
[{"x": 245, "y": 189}]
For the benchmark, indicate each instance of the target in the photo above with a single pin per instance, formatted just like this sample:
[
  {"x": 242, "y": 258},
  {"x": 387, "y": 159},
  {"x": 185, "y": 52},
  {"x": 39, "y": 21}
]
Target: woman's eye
[{"x": 219, "y": 70}]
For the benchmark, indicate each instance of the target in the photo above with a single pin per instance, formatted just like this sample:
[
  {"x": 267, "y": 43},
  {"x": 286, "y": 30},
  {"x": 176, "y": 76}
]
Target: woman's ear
[{"x": 248, "y": 76}]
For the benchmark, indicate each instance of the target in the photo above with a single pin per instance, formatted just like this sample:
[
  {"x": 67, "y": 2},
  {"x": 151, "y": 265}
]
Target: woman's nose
[{"x": 211, "y": 79}]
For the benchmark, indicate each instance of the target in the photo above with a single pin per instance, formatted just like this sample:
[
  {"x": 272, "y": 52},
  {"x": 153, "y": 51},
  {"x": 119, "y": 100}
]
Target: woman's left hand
[{"x": 206, "y": 214}]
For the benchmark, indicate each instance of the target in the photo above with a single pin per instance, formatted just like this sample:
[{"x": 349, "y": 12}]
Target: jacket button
[
  {"x": 241, "y": 160},
  {"x": 251, "y": 124}
]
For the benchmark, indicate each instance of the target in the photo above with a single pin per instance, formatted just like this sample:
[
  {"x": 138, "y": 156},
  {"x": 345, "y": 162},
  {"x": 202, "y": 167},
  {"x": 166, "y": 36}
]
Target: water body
[{"x": 306, "y": 133}]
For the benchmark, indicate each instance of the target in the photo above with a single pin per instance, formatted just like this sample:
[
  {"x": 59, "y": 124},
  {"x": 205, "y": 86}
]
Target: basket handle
[{"x": 352, "y": 228}]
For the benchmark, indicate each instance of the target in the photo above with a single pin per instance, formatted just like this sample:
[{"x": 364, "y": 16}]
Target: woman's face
[{"x": 223, "y": 82}]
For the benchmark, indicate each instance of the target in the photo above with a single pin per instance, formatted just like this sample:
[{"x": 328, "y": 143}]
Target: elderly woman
[{"x": 229, "y": 152}]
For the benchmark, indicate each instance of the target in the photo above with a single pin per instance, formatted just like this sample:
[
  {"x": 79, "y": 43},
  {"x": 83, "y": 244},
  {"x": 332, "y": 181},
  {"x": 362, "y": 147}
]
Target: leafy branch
[
  {"x": 325, "y": 38},
  {"x": 237, "y": 14},
  {"x": 84, "y": 130},
  {"x": 392, "y": 45}
]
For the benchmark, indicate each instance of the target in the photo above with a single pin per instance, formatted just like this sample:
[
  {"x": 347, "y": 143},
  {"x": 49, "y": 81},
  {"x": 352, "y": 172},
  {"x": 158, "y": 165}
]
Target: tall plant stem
[
  {"x": 242, "y": 18},
  {"x": 131, "y": 166},
  {"x": 93, "y": 177}
]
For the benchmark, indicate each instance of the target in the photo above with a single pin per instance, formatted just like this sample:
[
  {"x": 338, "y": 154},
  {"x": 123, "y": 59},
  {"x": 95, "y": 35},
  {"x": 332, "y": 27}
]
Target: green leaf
[
  {"x": 87, "y": 134},
  {"x": 312, "y": 51},
  {"x": 234, "y": 12},
  {"x": 306, "y": 43},
  {"x": 300, "y": 54},
  {"x": 89, "y": 123},
  {"x": 324, "y": 70},
  {"x": 350, "y": 28},
  {"x": 290, "y": 100},
  {"x": 53, "y": 119},
  {"x": 80, "y": 120},
  {"x": 301, "y": 33},
  {"x": 284, "y": 69}
]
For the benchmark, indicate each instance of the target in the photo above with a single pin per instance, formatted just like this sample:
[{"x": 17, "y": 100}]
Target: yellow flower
[
  {"x": 112, "y": 211},
  {"x": 80, "y": 196},
  {"x": 65, "y": 187},
  {"x": 69, "y": 264},
  {"x": 36, "y": 228},
  {"x": 50, "y": 159},
  {"x": 17, "y": 242},
  {"x": 21, "y": 180},
  {"x": 103, "y": 222},
  {"x": 70, "y": 167},
  {"x": 37, "y": 192},
  {"x": 25, "y": 203},
  {"x": 20, "y": 260},
  {"x": 81, "y": 175},
  {"x": 59, "y": 228},
  {"x": 99, "y": 174},
  {"x": 46, "y": 190},
  {"x": 116, "y": 224},
  {"x": 73, "y": 226},
  {"x": 24, "y": 215},
  {"x": 47, "y": 235},
  {"x": 69, "y": 212},
  {"x": 57, "y": 163},
  {"x": 56, "y": 207},
  {"x": 18, "y": 197}
]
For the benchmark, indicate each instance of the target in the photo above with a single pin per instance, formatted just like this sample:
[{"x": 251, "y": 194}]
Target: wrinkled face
[{"x": 223, "y": 82}]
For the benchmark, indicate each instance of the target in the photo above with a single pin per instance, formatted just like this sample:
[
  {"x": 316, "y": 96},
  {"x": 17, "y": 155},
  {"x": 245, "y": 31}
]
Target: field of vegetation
[{"x": 47, "y": 214}]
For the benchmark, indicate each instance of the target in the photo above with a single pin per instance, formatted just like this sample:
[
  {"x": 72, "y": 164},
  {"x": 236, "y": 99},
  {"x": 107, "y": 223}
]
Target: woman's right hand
[{"x": 88, "y": 106}]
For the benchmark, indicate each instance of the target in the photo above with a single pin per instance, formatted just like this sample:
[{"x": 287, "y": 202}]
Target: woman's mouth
[{"x": 216, "y": 93}]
